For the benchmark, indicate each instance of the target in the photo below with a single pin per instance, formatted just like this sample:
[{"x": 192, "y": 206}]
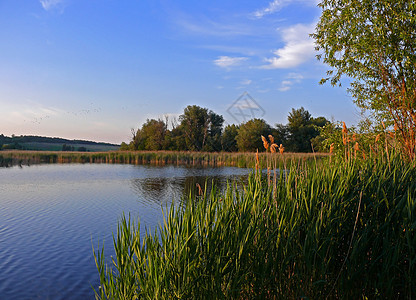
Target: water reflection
[{"x": 163, "y": 189}]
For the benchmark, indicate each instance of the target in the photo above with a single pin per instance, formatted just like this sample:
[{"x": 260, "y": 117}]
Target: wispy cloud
[
  {"x": 228, "y": 62},
  {"x": 30, "y": 113},
  {"x": 209, "y": 27},
  {"x": 291, "y": 79},
  {"x": 246, "y": 82},
  {"x": 51, "y": 4},
  {"x": 275, "y": 5},
  {"x": 299, "y": 48}
]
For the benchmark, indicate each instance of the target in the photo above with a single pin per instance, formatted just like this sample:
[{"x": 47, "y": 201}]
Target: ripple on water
[{"x": 52, "y": 216}]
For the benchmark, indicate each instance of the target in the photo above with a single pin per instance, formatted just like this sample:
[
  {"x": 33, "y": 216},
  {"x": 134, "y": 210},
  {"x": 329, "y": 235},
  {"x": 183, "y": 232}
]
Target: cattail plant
[
  {"x": 331, "y": 151},
  {"x": 356, "y": 148},
  {"x": 265, "y": 143},
  {"x": 325, "y": 231},
  {"x": 281, "y": 149}
]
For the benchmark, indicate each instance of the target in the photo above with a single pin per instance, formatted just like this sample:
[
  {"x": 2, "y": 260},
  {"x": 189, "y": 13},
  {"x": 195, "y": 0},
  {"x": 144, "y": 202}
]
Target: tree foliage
[
  {"x": 201, "y": 129},
  {"x": 249, "y": 135},
  {"x": 228, "y": 139},
  {"x": 301, "y": 129},
  {"x": 151, "y": 136},
  {"x": 373, "y": 43}
]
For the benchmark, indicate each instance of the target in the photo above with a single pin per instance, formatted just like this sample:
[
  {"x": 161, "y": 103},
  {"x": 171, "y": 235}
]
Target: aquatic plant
[
  {"x": 212, "y": 159},
  {"x": 339, "y": 229}
]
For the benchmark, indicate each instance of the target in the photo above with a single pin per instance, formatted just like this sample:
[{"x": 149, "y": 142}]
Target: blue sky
[{"x": 95, "y": 69}]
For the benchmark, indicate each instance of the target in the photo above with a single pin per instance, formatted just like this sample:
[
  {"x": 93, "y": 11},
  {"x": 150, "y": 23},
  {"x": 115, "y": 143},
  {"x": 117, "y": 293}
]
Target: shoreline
[{"x": 10, "y": 158}]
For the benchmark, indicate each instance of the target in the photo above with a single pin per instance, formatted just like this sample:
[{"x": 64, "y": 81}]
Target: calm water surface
[{"x": 52, "y": 215}]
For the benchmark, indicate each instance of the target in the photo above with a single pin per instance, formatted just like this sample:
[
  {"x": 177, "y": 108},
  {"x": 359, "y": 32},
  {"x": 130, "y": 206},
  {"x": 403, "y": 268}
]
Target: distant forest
[
  {"x": 200, "y": 129},
  {"x": 30, "y": 142},
  {"x": 197, "y": 129}
]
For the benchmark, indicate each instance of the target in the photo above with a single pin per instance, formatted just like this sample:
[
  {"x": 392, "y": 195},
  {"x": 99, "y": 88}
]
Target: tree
[
  {"x": 202, "y": 128},
  {"x": 124, "y": 147},
  {"x": 154, "y": 133},
  {"x": 151, "y": 136},
  {"x": 373, "y": 43},
  {"x": 214, "y": 132},
  {"x": 66, "y": 147},
  {"x": 249, "y": 135},
  {"x": 228, "y": 138},
  {"x": 176, "y": 139},
  {"x": 281, "y": 134},
  {"x": 301, "y": 130}
]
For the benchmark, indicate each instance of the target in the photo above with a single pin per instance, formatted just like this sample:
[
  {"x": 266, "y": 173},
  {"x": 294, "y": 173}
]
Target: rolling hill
[{"x": 30, "y": 142}]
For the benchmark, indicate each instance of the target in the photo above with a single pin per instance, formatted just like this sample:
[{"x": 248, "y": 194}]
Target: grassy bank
[
  {"x": 331, "y": 230},
  {"x": 8, "y": 158}
]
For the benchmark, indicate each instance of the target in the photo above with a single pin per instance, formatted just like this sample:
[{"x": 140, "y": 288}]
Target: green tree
[
  {"x": 66, "y": 147},
  {"x": 281, "y": 134},
  {"x": 176, "y": 139},
  {"x": 151, "y": 136},
  {"x": 300, "y": 130},
  {"x": 214, "y": 132},
  {"x": 201, "y": 128},
  {"x": 125, "y": 147},
  {"x": 228, "y": 139},
  {"x": 154, "y": 133},
  {"x": 249, "y": 135},
  {"x": 373, "y": 43}
]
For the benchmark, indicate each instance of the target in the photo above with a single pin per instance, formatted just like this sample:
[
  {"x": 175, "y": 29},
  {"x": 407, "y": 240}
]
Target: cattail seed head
[
  {"x": 265, "y": 143},
  {"x": 281, "y": 149},
  {"x": 344, "y": 128},
  {"x": 344, "y": 133},
  {"x": 356, "y": 147}
]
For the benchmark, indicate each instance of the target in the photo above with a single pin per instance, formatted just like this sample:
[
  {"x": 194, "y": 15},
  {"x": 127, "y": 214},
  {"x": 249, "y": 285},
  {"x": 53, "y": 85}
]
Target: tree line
[
  {"x": 30, "y": 142},
  {"x": 201, "y": 129}
]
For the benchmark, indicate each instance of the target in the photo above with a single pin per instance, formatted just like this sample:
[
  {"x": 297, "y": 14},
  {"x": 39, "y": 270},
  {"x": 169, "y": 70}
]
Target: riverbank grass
[
  {"x": 339, "y": 229},
  {"x": 211, "y": 159}
]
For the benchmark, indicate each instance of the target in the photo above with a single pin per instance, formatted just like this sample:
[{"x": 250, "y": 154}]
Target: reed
[
  {"x": 212, "y": 159},
  {"x": 339, "y": 229}
]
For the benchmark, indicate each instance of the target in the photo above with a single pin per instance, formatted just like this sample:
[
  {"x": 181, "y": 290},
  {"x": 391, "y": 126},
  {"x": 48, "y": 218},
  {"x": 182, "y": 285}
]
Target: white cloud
[
  {"x": 246, "y": 82},
  {"x": 50, "y": 4},
  {"x": 228, "y": 62},
  {"x": 276, "y": 5},
  {"x": 285, "y": 88},
  {"x": 299, "y": 48},
  {"x": 291, "y": 79},
  {"x": 295, "y": 76},
  {"x": 273, "y": 7}
]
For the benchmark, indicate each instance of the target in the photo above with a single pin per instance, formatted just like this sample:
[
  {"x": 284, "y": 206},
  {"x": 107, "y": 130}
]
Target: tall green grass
[
  {"x": 212, "y": 159},
  {"x": 329, "y": 230}
]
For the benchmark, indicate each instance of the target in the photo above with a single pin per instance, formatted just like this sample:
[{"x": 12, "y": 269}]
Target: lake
[{"x": 51, "y": 216}]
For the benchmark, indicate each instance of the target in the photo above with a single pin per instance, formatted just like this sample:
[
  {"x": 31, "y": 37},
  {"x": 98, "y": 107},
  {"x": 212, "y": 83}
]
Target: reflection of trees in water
[
  {"x": 161, "y": 190},
  {"x": 157, "y": 190},
  {"x": 190, "y": 186}
]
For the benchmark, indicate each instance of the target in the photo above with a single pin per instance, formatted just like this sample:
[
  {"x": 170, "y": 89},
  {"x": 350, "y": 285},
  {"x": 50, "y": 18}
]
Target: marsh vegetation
[{"x": 336, "y": 228}]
